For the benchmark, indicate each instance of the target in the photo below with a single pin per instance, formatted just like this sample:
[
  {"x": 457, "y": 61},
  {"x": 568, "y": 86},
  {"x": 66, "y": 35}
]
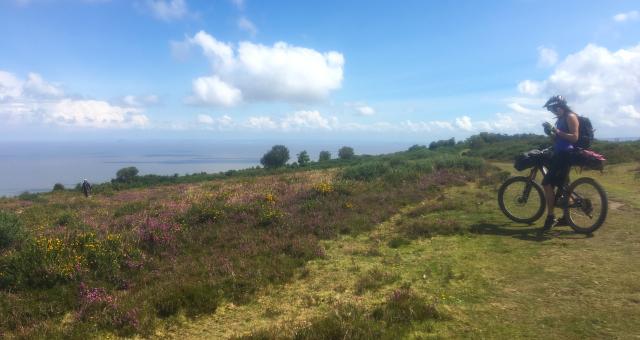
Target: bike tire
[
  {"x": 570, "y": 211},
  {"x": 537, "y": 195}
]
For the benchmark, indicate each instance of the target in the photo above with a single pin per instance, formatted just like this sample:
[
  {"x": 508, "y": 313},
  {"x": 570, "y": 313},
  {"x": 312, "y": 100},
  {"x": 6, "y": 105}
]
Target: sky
[{"x": 336, "y": 70}]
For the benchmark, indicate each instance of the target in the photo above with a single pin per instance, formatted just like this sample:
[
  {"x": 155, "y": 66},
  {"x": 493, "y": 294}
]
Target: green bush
[
  {"x": 126, "y": 175},
  {"x": 11, "y": 230},
  {"x": 303, "y": 158},
  {"x": 58, "y": 187},
  {"x": 276, "y": 157},
  {"x": 324, "y": 156},
  {"x": 346, "y": 152}
]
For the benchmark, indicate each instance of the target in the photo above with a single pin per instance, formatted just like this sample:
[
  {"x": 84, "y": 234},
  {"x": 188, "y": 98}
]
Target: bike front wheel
[
  {"x": 521, "y": 199},
  {"x": 587, "y": 207}
]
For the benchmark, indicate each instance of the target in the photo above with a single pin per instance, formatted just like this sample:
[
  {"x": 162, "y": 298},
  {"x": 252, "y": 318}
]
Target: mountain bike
[{"x": 584, "y": 201}]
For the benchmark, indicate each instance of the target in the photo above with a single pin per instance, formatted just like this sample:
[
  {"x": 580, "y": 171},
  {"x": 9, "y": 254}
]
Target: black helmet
[{"x": 556, "y": 100}]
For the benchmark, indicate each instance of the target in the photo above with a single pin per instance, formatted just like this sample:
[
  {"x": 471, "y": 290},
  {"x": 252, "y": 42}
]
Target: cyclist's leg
[{"x": 555, "y": 178}]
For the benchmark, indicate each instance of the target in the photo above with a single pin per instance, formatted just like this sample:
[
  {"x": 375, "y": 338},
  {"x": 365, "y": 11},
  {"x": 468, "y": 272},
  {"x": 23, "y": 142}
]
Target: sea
[{"x": 37, "y": 166}]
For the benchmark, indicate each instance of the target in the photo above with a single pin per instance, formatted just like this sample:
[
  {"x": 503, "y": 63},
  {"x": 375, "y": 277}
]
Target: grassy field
[
  {"x": 485, "y": 276},
  {"x": 406, "y": 245}
]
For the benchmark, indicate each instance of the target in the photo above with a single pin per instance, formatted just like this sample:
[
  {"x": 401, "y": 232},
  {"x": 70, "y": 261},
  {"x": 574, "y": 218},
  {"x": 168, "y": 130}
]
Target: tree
[
  {"x": 303, "y": 158},
  {"x": 345, "y": 152},
  {"x": 324, "y": 156},
  {"x": 58, "y": 187},
  {"x": 276, "y": 157},
  {"x": 126, "y": 175}
]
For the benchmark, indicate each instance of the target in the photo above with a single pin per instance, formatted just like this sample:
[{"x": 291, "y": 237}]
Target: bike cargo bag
[
  {"x": 528, "y": 159},
  {"x": 589, "y": 160}
]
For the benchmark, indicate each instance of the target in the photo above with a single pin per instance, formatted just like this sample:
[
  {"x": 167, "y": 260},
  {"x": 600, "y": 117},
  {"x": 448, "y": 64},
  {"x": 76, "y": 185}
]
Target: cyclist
[{"x": 564, "y": 134}]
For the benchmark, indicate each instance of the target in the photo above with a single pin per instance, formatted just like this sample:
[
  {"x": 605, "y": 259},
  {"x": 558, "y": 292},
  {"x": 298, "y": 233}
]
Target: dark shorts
[{"x": 559, "y": 167}]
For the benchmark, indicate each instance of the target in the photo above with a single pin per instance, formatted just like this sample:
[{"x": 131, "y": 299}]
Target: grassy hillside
[{"x": 409, "y": 244}]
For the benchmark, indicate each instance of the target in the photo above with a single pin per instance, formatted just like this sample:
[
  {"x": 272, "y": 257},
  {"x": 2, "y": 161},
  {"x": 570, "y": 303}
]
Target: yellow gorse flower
[{"x": 323, "y": 188}]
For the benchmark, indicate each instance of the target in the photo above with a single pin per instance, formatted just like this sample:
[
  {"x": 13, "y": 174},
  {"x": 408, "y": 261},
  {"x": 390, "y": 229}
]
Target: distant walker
[{"x": 86, "y": 188}]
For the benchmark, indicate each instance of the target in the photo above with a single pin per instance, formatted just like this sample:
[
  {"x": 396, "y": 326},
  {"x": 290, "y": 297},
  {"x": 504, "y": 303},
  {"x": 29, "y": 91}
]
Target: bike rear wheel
[
  {"x": 587, "y": 207},
  {"x": 521, "y": 199}
]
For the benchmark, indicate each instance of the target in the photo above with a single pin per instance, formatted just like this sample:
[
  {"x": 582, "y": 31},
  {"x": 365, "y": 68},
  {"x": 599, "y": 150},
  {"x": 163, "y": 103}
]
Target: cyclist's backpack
[{"x": 585, "y": 133}]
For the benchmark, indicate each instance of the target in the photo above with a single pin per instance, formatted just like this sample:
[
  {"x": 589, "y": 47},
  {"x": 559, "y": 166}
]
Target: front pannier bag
[{"x": 530, "y": 159}]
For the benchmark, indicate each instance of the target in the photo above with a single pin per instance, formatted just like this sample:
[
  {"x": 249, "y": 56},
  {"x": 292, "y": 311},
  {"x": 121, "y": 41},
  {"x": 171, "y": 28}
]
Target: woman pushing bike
[{"x": 565, "y": 134}]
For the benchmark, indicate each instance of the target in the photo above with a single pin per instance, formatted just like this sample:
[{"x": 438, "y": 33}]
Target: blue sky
[{"x": 379, "y": 70}]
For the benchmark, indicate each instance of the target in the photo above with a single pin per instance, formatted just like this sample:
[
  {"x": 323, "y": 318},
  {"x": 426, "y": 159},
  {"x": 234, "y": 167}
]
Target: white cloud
[
  {"x": 305, "y": 120},
  {"x": 464, "y": 123},
  {"x": 365, "y": 110},
  {"x": 261, "y": 123},
  {"x": 205, "y": 119},
  {"x": 212, "y": 90},
  {"x": 10, "y": 86},
  {"x": 247, "y": 26},
  {"x": 265, "y": 73},
  {"x": 95, "y": 114},
  {"x": 529, "y": 87},
  {"x": 627, "y": 16},
  {"x": 223, "y": 122},
  {"x": 35, "y": 100},
  {"x": 598, "y": 83},
  {"x": 547, "y": 57},
  {"x": 140, "y": 101},
  {"x": 168, "y": 10},
  {"x": 630, "y": 111}
]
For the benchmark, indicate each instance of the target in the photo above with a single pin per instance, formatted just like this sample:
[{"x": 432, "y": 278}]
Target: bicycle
[{"x": 584, "y": 201}]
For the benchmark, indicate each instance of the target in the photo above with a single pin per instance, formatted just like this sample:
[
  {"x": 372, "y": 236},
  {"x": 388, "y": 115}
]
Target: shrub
[
  {"x": 303, "y": 158},
  {"x": 58, "y": 187},
  {"x": 276, "y": 157},
  {"x": 11, "y": 230},
  {"x": 366, "y": 171},
  {"x": 126, "y": 175},
  {"x": 345, "y": 152},
  {"x": 324, "y": 156}
]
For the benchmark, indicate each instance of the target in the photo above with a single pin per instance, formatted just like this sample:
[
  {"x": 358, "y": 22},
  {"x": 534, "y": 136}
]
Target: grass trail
[{"x": 489, "y": 277}]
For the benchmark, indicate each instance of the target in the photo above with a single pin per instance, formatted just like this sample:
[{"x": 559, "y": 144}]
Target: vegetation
[
  {"x": 276, "y": 157},
  {"x": 303, "y": 158},
  {"x": 126, "y": 175},
  {"x": 346, "y": 152},
  {"x": 408, "y": 244},
  {"x": 324, "y": 156},
  {"x": 58, "y": 187}
]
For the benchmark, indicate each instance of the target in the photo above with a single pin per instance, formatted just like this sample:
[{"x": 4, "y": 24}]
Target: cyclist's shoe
[
  {"x": 562, "y": 221},
  {"x": 549, "y": 223}
]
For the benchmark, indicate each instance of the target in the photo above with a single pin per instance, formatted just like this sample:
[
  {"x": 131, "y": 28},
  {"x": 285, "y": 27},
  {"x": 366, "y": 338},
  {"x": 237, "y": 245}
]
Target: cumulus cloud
[
  {"x": 601, "y": 84},
  {"x": 464, "y": 123},
  {"x": 254, "y": 72},
  {"x": 247, "y": 26},
  {"x": 168, "y": 10},
  {"x": 627, "y": 16},
  {"x": 547, "y": 57},
  {"x": 34, "y": 100},
  {"x": 219, "y": 123}
]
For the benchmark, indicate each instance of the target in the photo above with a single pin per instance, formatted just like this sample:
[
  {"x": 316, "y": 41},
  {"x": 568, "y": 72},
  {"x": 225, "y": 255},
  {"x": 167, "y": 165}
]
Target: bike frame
[{"x": 558, "y": 193}]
